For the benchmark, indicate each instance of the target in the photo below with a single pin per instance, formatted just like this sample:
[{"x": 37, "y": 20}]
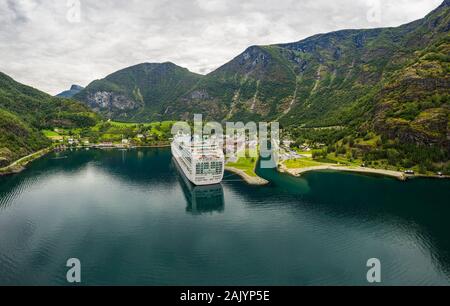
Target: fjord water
[{"x": 131, "y": 219}]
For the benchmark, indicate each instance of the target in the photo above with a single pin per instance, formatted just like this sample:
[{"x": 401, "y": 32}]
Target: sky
[{"x": 51, "y": 44}]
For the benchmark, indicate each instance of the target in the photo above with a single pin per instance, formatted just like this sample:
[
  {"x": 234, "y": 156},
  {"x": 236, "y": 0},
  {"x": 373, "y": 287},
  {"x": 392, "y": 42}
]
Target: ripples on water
[{"x": 132, "y": 219}]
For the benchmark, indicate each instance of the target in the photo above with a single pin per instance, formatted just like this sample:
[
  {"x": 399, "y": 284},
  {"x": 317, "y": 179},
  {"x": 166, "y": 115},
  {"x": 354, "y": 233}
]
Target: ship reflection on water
[{"x": 201, "y": 199}]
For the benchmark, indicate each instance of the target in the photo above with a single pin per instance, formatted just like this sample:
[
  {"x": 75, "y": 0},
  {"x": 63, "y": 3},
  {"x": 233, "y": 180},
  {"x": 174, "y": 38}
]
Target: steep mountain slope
[
  {"x": 142, "y": 92},
  {"x": 25, "y": 110},
  {"x": 364, "y": 62},
  {"x": 320, "y": 81},
  {"x": 256, "y": 84},
  {"x": 17, "y": 139},
  {"x": 74, "y": 89},
  {"x": 414, "y": 105}
]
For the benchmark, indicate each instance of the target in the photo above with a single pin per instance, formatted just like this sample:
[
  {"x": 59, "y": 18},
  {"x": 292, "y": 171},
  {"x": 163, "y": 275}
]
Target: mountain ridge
[
  {"x": 280, "y": 81},
  {"x": 341, "y": 78},
  {"x": 139, "y": 91},
  {"x": 74, "y": 89}
]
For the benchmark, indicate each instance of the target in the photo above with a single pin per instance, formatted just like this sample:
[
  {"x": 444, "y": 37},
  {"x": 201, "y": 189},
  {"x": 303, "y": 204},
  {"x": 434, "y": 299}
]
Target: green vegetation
[
  {"x": 50, "y": 134},
  {"x": 372, "y": 150},
  {"x": 246, "y": 164},
  {"x": 24, "y": 111},
  {"x": 302, "y": 163},
  {"x": 17, "y": 139},
  {"x": 19, "y": 164},
  {"x": 141, "y": 93},
  {"x": 136, "y": 134}
]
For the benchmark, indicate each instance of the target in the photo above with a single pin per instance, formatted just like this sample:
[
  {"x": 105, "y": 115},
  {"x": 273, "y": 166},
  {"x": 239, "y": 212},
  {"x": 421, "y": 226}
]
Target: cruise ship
[{"x": 201, "y": 161}]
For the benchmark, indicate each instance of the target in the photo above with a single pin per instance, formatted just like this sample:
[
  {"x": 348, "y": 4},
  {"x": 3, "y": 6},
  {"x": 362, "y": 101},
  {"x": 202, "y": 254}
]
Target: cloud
[{"x": 45, "y": 46}]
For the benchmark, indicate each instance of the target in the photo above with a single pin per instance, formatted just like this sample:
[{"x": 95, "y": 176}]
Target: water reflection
[
  {"x": 200, "y": 199},
  {"x": 325, "y": 224}
]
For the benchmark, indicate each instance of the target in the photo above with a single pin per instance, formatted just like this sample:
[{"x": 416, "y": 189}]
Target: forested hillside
[{"x": 24, "y": 111}]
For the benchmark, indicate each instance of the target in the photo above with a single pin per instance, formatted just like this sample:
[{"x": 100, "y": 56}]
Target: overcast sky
[{"x": 51, "y": 44}]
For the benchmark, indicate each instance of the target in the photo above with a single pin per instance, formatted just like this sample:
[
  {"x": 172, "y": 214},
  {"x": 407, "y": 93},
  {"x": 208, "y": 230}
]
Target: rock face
[
  {"x": 74, "y": 89},
  {"x": 145, "y": 92},
  {"x": 103, "y": 100}
]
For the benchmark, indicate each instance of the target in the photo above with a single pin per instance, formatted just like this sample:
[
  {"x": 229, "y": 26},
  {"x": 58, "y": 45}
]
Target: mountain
[
  {"x": 145, "y": 92},
  {"x": 24, "y": 111},
  {"x": 320, "y": 81},
  {"x": 390, "y": 82},
  {"x": 74, "y": 89},
  {"x": 255, "y": 85}
]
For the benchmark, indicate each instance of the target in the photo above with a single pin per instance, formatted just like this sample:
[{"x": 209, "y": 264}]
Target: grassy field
[
  {"x": 331, "y": 159},
  {"x": 124, "y": 124},
  {"x": 153, "y": 133},
  {"x": 158, "y": 129},
  {"x": 52, "y": 135},
  {"x": 49, "y": 133},
  {"x": 302, "y": 163},
  {"x": 246, "y": 164},
  {"x": 302, "y": 152}
]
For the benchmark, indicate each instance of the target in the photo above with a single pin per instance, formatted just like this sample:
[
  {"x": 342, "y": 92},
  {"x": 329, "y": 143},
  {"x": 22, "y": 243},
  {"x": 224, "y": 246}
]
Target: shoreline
[
  {"x": 251, "y": 180},
  {"x": 20, "y": 164},
  {"x": 120, "y": 146},
  {"x": 17, "y": 166},
  {"x": 298, "y": 172}
]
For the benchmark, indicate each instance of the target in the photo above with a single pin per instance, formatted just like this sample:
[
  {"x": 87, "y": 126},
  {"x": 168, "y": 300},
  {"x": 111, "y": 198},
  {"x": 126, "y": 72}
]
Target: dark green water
[{"x": 131, "y": 219}]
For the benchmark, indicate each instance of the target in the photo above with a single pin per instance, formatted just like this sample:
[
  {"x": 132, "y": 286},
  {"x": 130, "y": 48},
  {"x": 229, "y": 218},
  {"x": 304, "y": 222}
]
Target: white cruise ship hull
[{"x": 194, "y": 170}]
